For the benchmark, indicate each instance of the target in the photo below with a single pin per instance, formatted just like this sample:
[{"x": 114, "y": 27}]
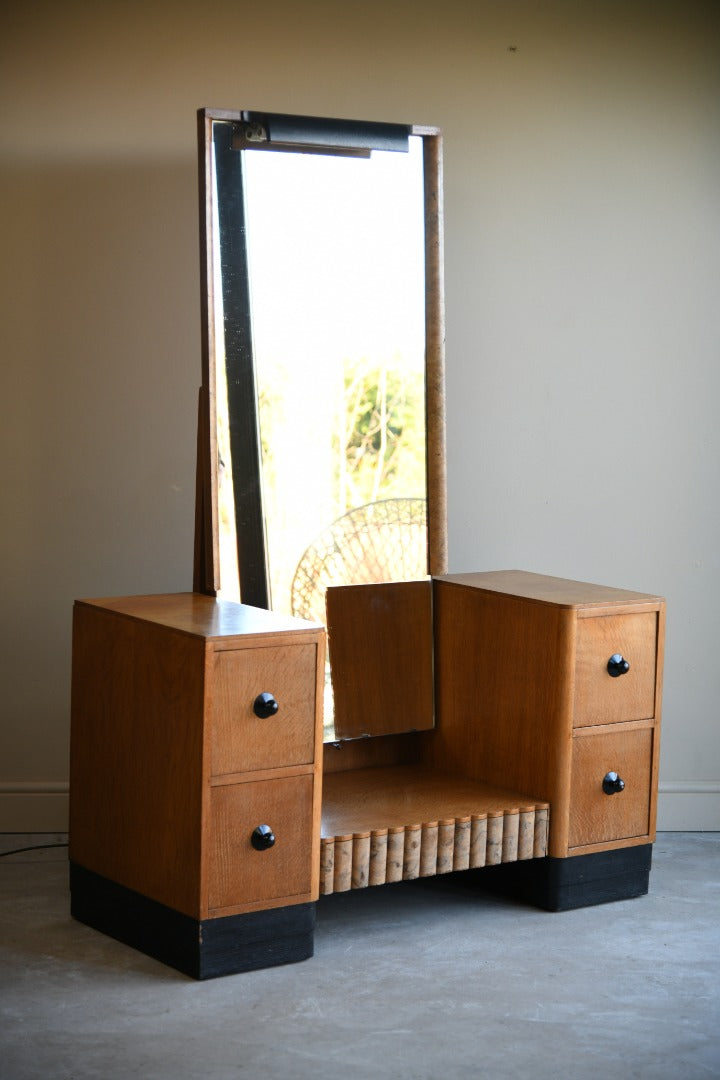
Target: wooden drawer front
[
  {"x": 238, "y": 873},
  {"x": 594, "y": 816},
  {"x": 601, "y": 698},
  {"x": 242, "y": 741}
]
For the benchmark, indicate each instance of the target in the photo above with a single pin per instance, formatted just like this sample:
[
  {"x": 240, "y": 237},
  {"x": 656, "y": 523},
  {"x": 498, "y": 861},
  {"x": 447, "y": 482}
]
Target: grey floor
[{"x": 418, "y": 981}]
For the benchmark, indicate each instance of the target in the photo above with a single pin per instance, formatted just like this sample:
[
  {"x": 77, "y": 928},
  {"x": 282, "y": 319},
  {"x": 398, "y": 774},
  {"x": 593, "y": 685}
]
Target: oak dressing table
[
  {"x": 501, "y": 724},
  {"x": 204, "y": 827}
]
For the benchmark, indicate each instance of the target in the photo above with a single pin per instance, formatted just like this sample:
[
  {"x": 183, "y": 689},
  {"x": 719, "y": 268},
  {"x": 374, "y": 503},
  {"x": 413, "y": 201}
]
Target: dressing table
[{"x": 500, "y": 723}]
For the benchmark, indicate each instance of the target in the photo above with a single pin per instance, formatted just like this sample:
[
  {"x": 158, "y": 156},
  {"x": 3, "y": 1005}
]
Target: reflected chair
[{"x": 381, "y": 541}]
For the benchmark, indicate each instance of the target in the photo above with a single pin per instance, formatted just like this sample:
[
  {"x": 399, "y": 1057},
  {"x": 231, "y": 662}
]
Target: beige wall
[{"x": 582, "y": 173}]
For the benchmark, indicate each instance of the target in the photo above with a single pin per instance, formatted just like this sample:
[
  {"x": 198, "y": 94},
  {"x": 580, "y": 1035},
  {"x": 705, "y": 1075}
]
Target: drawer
[
  {"x": 243, "y": 741},
  {"x": 596, "y": 817},
  {"x": 238, "y": 873},
  {"x": 601, "y": 698}
]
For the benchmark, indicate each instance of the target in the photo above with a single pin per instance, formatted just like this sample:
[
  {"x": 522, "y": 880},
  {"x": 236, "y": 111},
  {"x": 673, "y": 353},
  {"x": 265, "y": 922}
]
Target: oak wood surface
[
  {"x": 543, "y": 588},
  {"x": 380, "y": 641},
  {"x": 205, "y": 617},
  {"x": 406, "y": 795},
  {"x": 136, "y": 756},
  {"x": 241, "y": 741},
  {"x": 206, "y": 565},
  {"x": 520, "y": 658},
  {"x": 240, "y": 875},
  {"x": 599, "y": 697},
  {"x": 369, "y": 753},
  {"x": 402, "y": 853},
  {"x": 261, "y": 774},
  {"x": 151, "y": 676},
  {"x": 435, "y": 352},
  {"x": 594, "y": 816},
  {"x": 504, "y": 679}
]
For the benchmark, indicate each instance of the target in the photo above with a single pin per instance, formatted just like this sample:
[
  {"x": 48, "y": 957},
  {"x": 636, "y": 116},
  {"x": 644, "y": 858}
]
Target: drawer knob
[
  {"x": 262, "y": 838},
  {"x": 612, "y": 783},
  {"x": 617, "y": 665},
  {"x": 265, "y": 705}
]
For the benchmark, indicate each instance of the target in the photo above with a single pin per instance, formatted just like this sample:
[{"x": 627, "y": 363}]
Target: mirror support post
[
  {"x": 206, "y": 562},
  {"x": 435, "y": 352},
  {"x": 239, "y": 362}
]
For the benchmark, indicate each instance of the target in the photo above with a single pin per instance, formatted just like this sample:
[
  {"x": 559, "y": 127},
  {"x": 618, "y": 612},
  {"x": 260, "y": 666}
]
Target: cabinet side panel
[
  {"x": 136, "y": 756},
  {"x": 504, "y": 686}
]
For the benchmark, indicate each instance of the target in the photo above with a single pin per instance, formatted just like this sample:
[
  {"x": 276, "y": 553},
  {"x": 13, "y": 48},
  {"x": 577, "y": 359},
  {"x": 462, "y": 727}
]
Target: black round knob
[
  {"x": 612, "y": 784},
  {"x": 617, "y": 665},
  {"x": 262, "y": 838},
  {"x": 265, "y": 705}
]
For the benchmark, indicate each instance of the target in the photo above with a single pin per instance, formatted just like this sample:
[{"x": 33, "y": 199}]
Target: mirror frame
[{"x": 206, "y": 572}]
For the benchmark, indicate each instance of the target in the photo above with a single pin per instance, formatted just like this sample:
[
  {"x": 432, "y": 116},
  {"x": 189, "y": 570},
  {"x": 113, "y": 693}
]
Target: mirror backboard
[{"x": 321, "y": 448}]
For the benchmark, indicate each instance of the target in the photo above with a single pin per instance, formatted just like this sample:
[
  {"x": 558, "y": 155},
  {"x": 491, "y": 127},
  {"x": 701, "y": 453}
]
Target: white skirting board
[
  {"x": 34, "y": 806},
  {"x": 689, "y": 806},
  {"x": 42, "y": 806}
]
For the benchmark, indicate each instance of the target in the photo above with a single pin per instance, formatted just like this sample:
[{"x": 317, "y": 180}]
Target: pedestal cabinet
[
  {"x": 195, "y": 779},
  {"x": 555, "y": 687}
]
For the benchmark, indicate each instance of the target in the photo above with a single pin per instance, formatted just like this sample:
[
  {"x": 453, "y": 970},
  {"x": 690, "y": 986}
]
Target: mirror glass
[{"x": 324, "y": 447}]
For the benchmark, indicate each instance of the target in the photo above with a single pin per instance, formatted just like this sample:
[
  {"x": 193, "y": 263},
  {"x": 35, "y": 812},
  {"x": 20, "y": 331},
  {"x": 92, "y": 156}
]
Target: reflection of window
[
  {"x": 335, "y": 299},
  {"x": 324, "y": 355}
]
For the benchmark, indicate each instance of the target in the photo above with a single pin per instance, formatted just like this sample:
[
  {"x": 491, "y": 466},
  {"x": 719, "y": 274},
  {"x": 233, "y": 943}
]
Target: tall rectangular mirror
[{"x": 321, "y": 453}]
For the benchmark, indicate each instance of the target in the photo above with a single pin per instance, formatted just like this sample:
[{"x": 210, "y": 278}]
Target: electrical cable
[{"x": 34, "y": 847}]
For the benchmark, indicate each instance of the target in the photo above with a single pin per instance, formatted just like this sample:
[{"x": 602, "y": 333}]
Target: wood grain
[
  {"x": 599, "y": 697},
  {"x": 594, "y": 816},
  {"x": 545, "y": 589},
  {"x": 521, "y": 664},
  {"x": 206, "y": 567},
  {"x": 427, "y": 850},
  {"x": 136, "y": 761},
  {"x": 430, "y": 827},
  {"x": 327, "y": 864},
  {"x": 504, "y": 677},
  {"x": 227, "y": 624},
  {"x": 380, "y": 647},
  {"x": 403, "y": 796},
  {"x": 370, "y": 753},
  {"x": 435, "y": 354},
  {"x": 411, "y": 852},
  {"x": 238, "y": 874},
  {"x": 151, "y": 678},
  {"x": 378, "y": 856},
  {"x": 241, "y": 741},
  {"x": 342, "y": 875}
]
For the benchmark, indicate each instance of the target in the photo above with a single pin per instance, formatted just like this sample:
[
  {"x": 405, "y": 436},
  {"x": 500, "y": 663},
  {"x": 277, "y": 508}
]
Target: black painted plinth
[
  {"x": 576, "y": 882},
  {"x": 202, "y": 949}
]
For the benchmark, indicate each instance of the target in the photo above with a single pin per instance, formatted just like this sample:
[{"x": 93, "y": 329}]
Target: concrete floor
[{"x": 418, "y": 981}]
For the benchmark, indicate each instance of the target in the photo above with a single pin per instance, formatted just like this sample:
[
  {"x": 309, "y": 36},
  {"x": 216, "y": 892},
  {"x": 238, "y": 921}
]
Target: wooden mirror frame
[{"x": 206, "y": 575}]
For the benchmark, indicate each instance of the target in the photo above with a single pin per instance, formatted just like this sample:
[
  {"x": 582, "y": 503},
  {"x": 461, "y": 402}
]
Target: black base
[
  {"x": 201, "y": 949},
  {"x": 575, "y": 882}
]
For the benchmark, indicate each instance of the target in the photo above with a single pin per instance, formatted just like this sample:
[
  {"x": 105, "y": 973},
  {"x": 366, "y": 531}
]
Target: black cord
[{"x": 35, "y": 847}]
